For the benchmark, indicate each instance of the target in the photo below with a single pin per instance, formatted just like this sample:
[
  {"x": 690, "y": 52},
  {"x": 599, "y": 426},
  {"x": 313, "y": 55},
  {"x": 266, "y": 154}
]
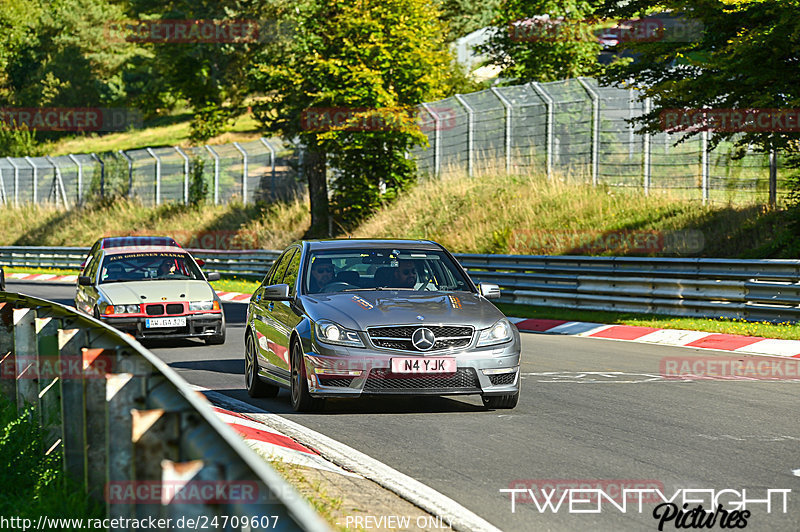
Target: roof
[
  {"x": 147, "y": 249},
  {"x": 350, "y": 243},
  {"x": 123, "y": 241}
]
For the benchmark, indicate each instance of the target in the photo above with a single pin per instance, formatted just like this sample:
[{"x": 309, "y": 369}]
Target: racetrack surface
[{"x": 591, "y": 409}]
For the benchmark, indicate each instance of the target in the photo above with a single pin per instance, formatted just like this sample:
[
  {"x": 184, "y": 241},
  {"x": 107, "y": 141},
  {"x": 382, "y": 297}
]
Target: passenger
[
  {"x": 166, "y": 268},
  {"x": 321, "y": 274},
  {"x": 405, "y": 275}
]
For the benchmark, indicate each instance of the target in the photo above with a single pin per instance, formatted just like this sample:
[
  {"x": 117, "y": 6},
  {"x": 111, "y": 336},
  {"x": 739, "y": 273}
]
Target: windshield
[
  {"x": 387, "y": 269},
  {"x": 148, "y": 266}
]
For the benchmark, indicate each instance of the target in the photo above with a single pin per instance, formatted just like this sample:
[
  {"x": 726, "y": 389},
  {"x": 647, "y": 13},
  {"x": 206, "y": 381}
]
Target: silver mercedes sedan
[{"x": 348, "y": 318}]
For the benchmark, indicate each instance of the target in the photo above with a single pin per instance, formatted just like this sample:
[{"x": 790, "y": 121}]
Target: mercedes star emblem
[{"x": 423, "y": 339}]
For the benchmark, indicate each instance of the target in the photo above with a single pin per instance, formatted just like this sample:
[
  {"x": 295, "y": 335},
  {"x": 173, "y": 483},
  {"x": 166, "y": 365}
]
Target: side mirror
[
  {"x": 277, "y": 292},
  {"x": 213, "y": 276},
  {"x": 84, "y": 280},
  {"x": 489, "y": 290}
]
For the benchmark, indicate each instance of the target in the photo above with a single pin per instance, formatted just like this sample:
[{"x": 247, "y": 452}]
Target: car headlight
[
  {"x": 203, "y": 305},
  {"x": 499, "y": 333},
  {"x": 126, "y": 309},
  {"x": 332, "y": 333}
]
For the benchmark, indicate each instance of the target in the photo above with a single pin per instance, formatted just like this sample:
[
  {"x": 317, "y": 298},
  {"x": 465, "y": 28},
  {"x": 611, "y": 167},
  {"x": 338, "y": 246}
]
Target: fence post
[
  {"x": 437, "y": 137},
  {"x": 548, "y": 102},
  {"x": 216, "y": 173},
  {"x": 102, "y": 174},
  {"x": 470, "y": 134},
  {"x": 185, "y": 175},
  {"x": 35, "y": 179},
  {"x": 80, "y": 177},
  {"x": 158, "y": 174},
  {"x": 130, "y": 172},
  {"x": 646, "y": 152},
  {"x": 59, "y": 184},
  {"x": 595, "y": 130},
  {"x": 26, "y": 358},
  {"x": 704, "y": 165},
  {"x": 16, "y": 180},
  {"x": 773, "y": 177},
  {"x": 3, "y": 189},
  {"x": 244, "y": 171},
  {"x": 507, "y": 136},
  {"x": 266, "y": 143}
]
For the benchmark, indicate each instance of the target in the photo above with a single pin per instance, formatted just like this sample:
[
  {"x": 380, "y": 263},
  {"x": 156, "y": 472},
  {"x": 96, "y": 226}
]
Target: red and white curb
[
  {"x": 673, "y": 337},
  {"x": 274, "y": 445}
]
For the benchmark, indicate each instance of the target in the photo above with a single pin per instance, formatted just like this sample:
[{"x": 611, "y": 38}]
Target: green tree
[
  {"x": 373, "y": 59},
  {"x": 462, "y": 17},
  {"x": 532, "y": 41}
]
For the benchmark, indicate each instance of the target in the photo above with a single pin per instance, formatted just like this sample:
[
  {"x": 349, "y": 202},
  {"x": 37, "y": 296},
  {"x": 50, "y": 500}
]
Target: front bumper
[
  {"x": 197, "y": 326},
  {"x": 349, "y": 372}
]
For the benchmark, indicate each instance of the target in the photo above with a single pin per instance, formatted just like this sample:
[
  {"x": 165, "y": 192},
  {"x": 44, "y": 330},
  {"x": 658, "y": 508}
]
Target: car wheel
[
  {"x": 255, "y": 386},
  {"x": 217, "y": 339},
  {"x": 301, "y": 398},
  {"x": 501, "y": 401}
]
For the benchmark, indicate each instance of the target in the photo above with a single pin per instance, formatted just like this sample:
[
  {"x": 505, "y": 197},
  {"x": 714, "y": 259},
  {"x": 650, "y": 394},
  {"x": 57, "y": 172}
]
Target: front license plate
[
  {"x": 165, "y": 322},
  {"x": 424, "y": 365}
]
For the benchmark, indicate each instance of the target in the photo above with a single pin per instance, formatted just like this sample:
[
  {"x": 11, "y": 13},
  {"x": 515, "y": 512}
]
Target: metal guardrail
[
  {"x": 767, "y": 289},
  {"x": 128, "y": 424}
]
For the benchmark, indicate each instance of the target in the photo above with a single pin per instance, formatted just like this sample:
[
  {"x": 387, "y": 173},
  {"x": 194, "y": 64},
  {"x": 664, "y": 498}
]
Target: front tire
[
  {"x": 501, "y": 401},
  {"x": 301, "y": 398},
  {"x": 252, "y": 382}
]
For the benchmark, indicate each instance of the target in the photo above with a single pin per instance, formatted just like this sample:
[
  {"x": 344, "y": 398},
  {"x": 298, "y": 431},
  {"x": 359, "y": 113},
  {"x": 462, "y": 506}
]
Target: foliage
[
  {"x": 527, "y": 47},
  {"x": 110, "y": 180},
  {"x": 208, "y": 122},
  {"x": 373, "y": 59},
  {"x": 17, "y": 141},
  {"x": 198, "y": 184},
  {"x": 462, "y": 17}
]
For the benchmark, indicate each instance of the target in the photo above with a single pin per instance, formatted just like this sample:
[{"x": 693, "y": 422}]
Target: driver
[
  {"x": 166, "y": 268},
  {"x": 321, "y": 274},
  {"x": 405, "y": 275}
]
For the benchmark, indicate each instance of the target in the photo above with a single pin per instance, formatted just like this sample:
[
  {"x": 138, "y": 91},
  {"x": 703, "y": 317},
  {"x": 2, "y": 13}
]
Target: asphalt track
[{"x": 591, "y": 410}]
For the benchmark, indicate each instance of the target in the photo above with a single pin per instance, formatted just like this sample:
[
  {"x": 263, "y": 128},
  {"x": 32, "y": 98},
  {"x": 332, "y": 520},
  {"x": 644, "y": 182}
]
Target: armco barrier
[
  {"x": 765, "y": 289},
  {"x": 132, "y": 432}
]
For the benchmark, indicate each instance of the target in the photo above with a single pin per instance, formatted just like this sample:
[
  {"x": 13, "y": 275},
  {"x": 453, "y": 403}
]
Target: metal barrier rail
[
  {"x": 765, "y": 290},
  {"x": 128, "y": 425}
]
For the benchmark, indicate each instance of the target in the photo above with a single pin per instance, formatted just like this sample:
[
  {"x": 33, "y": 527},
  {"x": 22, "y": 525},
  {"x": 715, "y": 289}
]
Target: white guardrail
[
  {"x": 132, "y": 432},
  {"x": 766, "y": 289}
]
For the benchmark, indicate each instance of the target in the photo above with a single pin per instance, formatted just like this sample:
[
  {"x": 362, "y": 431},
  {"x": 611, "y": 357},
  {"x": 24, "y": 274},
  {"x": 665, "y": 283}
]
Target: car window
[
  {"x": 148, "y": 266},
  {"x": 280, "y": 270},
  {"x": 91, "y": 267},
  {"x": 292, "y": 271}
]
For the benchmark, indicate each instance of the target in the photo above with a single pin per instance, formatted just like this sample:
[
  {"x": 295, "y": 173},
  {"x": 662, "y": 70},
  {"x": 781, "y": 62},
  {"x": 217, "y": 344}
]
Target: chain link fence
[
  {"x": 582, "y": 132},
  {"x": 262, "y": 169}
]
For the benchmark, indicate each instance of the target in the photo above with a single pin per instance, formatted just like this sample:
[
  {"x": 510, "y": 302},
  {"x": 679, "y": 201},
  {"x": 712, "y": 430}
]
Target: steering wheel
[{"x": 337, "y": 286}]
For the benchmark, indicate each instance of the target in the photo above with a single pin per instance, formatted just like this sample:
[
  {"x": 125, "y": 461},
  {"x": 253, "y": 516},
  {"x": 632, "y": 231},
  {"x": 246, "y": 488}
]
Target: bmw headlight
[
  {"x": 333, "y": 333},
  {"x": 126, "y": 309},
  {"x": 197, "y": 306},
  {"x": 499, "y": 333}
]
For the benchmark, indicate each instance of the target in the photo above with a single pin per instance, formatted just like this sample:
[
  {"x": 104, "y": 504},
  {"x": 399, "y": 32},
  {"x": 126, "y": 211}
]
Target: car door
[
  {"x": 284, "y": 318},
  {"x": 86, "y": 296},
  {"x": 261, "y": 320}
]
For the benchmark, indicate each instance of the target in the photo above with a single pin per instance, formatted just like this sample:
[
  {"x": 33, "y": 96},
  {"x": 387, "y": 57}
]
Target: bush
[
  {"x": 17, "y": 141},
  {"x": 198, "y": 185},
  {"x": 208, "y": 122}
]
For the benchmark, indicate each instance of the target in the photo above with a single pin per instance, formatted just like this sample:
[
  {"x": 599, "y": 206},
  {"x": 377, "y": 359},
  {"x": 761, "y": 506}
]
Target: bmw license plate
[
  {"x": 424, "y": 365},
  {"x": 165, "y": 322}
]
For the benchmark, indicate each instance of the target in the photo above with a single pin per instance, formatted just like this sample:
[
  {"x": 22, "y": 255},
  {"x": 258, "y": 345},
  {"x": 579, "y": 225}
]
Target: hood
[
  {"x": 133, "y": 292},
  {"x": 362, "y": 309}
]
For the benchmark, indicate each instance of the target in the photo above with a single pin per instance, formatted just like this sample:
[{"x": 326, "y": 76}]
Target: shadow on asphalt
[{"x": 231, "y": 367}]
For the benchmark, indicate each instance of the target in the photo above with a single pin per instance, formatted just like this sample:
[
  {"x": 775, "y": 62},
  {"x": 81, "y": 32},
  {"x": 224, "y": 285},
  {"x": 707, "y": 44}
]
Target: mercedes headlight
[
  {"x": 499, "y": 333},
  {"x": 333, "y": 333}
]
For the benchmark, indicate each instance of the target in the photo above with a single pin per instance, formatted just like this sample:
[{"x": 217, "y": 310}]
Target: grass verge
[{"x": 34, "y": 483}]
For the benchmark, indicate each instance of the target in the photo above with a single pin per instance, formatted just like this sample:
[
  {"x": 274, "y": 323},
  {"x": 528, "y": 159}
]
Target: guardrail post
[
  {"x": 646, "y": 160},
  {"x": 595, "y": 161},
  {"x": 216, "y": 173},
  {"x": 96, "y": 363},
  {"x": 704, "y": 165},
  {"x": 158, "y": 174},
  {"x": 244, "y": 171},
  {"x": 130, "y": 172},
  {"x": 102, "y": 174},
  {"x": 155, "y": 436},
  {"x": 26, "y": 358},
  {"x": 49, "y": 381},
  {"x": 470, "y": 134},
  {"x": 437, "y": 137},
  {"x": 35, "y": 179},
  {"x": 73, "y": 410},
  {"x": 3, "y": 193},
  {"x": 16, "y": 180},
  {"x": 59, "y": 184},
  {"x": 8, "y": 366},
  {"x": 80, "y": 177},
  {"x": 548, "y": 102},
  {"x": 185, "y": 175},
  {"x": 266, "y": 143}
]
